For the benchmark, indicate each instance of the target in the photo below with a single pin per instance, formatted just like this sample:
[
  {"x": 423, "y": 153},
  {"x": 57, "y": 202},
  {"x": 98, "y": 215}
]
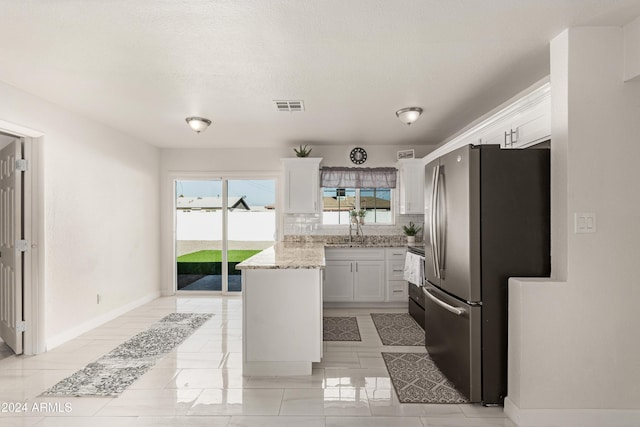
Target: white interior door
[{"x": 10, "y": 255}]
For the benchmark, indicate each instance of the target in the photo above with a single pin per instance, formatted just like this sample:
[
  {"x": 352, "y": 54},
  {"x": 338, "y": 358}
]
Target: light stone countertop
[
  {"x": 284, "y": 255},
  {"x": 305, "y": 254}
]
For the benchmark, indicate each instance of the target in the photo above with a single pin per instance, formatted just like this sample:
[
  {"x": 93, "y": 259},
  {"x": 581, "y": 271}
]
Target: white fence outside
[{"x": 243, "y": 225}]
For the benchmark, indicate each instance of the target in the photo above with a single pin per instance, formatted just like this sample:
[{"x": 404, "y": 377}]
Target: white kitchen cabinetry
[
  {"x": 411, "y": 186},
  {"x": 525, "y": 123},
  {"x": 531, "y": 126},
  {"x": 525, "y": 118},
  {"x": 338, "y": 281},
  {"x": 368, "y": 280},
  {"x": 354, "y": 275},
  {"x": 301, "y": 185},
  {"x": 396, "y": 285},
  {"x": 281, "y": 321}
]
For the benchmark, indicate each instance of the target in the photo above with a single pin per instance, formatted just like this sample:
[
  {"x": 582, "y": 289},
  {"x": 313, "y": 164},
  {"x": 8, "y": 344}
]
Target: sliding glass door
[
  {"x": 220, "y": 223},
  {"x": 251, "y": 225},
  {"x": 199, "y": 224}
]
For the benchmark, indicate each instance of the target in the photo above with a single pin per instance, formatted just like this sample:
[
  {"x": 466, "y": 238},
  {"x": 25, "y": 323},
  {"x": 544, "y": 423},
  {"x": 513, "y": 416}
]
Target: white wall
[
  {"x": 632, "y": 50},
  {"x": 572, "y": 341},
  {"x": 101, "y": 218}
]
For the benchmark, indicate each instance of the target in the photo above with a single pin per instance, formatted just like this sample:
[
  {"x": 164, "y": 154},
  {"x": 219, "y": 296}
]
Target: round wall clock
[{"x": 358, "y": 156}]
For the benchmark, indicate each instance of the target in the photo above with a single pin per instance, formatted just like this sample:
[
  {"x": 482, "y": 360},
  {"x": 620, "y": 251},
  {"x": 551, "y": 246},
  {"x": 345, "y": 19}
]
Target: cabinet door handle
[
  {"x": 356, "y": 267},
  {"x": 351, "y": 264},
  {"x": 506, "y": 135}
]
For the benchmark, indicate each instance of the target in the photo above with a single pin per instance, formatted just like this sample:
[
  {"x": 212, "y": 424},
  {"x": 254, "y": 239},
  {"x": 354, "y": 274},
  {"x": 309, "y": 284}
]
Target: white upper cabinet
[
  {"x": 301, "y": 185},
  {"x": 531, "y": 126},
  {"x": 411, "y": 186},
  {"x": 522, "y": 124},
  {"x": 523, "y": 121}
]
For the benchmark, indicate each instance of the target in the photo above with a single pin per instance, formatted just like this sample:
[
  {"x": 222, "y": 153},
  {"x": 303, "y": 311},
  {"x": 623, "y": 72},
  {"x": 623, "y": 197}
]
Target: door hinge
[
  {"x": 22, "y": 245},
  {"x": 22, "y": 165},
  {"x": 21, "y": 326}
]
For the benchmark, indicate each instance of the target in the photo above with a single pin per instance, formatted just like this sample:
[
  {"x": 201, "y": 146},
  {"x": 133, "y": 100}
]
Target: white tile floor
[
  {"x": 201, "y": 383},
  {"x": 5, "y": 350}
]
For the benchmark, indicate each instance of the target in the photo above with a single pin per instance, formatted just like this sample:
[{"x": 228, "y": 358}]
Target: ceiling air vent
[{"x": 289, "y": 106}]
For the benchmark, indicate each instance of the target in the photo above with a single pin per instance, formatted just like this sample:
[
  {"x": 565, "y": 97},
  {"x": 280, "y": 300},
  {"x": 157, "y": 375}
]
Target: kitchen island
[{"x": 282, "y": 309}]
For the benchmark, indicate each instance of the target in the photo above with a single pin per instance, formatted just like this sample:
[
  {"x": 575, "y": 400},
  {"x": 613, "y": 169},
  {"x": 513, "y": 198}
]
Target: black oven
[{"x": 416, "y": 296}]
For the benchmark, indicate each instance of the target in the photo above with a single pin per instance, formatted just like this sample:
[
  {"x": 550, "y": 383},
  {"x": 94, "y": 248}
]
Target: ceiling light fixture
[
  {"x": 198, "y": 124},
  {"x": 409, "y": 115}
]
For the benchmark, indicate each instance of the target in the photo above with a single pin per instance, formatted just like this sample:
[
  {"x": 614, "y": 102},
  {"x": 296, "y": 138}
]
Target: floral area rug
[
  {"x": 340, "y": 329},
  {"x": 417, "y": 379},
  {"x": 114, "y": 372},
  {"x": 398, "y": 329}
]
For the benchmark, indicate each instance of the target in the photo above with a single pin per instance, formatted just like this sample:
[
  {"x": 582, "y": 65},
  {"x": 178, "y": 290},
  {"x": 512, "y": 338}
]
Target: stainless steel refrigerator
[{"x": 487, "y": 216}]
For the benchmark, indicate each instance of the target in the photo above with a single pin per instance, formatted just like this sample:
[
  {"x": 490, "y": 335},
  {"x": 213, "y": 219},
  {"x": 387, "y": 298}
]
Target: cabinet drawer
[
  {"x": 395, "y": 270},
  {"x": 394, "y": 254},
  {"x": 397, "y": 290}
]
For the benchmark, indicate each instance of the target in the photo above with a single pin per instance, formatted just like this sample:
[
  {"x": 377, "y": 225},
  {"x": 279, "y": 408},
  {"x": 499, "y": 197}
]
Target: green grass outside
[{"x": 216, "y": 256}]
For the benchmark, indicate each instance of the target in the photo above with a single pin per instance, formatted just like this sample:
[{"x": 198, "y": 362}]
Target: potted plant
[
  {"x": 353, "y": 214},
  {"x": 302, "y": 151},
  {"x": 361, "y": 214},
  {"x": 410, "y": 231}
]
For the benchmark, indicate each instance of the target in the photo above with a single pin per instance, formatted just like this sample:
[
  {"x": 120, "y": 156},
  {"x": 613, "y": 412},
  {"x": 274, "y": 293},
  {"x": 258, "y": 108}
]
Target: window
[{"x": 337, "y": 202}]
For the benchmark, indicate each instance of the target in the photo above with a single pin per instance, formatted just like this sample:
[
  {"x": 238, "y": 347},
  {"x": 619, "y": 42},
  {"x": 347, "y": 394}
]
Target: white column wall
[
  {"x": 574, "y": 358},
  {"x": 632, "y": 50},
  {"x": 101, "y": 216}
]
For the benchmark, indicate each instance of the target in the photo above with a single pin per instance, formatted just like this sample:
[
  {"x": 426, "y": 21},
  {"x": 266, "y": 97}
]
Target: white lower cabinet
[
  {"x": 396, "y": 286},
  {"x": 397, "y": 290},
  {"x": 368, "y": 281},
  {"x": 338, "y": 281},
  {"x": 273, "y": 300},
  {"x": 354, "y": 275},
  {"x": 364, "y": 275}
]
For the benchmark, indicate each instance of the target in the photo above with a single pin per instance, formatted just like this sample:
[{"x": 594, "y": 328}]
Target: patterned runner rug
[
  {"x": 417, "y": 379},
  {"x": 114, "y": 372},
  {"x": 398, "y": 329},
  {"x": 340, "y": 329}
]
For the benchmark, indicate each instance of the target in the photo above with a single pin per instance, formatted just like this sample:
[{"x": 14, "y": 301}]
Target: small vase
[
  {"x": 362, "y": 221},
  {"x": 411, "y": 239}
]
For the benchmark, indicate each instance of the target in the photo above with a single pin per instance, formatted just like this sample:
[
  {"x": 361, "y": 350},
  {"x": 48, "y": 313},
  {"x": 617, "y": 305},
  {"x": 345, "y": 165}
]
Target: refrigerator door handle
[
  {"x": 455, "y": 310},
  {"x": 432, "y": 225},
  {"x": 435, "y": 240},
  {"x": 441, "y": 222}
]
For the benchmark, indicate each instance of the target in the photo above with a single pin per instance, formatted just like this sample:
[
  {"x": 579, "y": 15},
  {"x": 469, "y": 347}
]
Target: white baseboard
[
  {"x": 571, "y": 417},
  {"x": 76, "y": 331}
]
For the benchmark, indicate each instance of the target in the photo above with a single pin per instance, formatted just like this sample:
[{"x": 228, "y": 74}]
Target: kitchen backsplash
[{"x": 311, "y": 224}]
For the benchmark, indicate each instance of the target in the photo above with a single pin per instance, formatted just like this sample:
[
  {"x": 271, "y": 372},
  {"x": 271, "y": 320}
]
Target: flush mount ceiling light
[
  {"x": 198, "y": 124},
  {"x": 409, "y": 115}
]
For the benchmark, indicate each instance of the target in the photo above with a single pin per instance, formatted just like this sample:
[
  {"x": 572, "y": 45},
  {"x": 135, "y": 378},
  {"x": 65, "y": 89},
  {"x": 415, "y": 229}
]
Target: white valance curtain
[{"x": 343, "y": 177}]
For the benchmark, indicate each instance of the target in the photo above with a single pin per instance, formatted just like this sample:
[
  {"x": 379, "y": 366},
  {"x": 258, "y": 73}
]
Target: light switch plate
[{"x": 584, "y": 223}]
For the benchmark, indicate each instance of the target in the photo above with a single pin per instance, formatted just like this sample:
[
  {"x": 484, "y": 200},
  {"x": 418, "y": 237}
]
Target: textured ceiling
[{"x": 143, "y": 66}]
